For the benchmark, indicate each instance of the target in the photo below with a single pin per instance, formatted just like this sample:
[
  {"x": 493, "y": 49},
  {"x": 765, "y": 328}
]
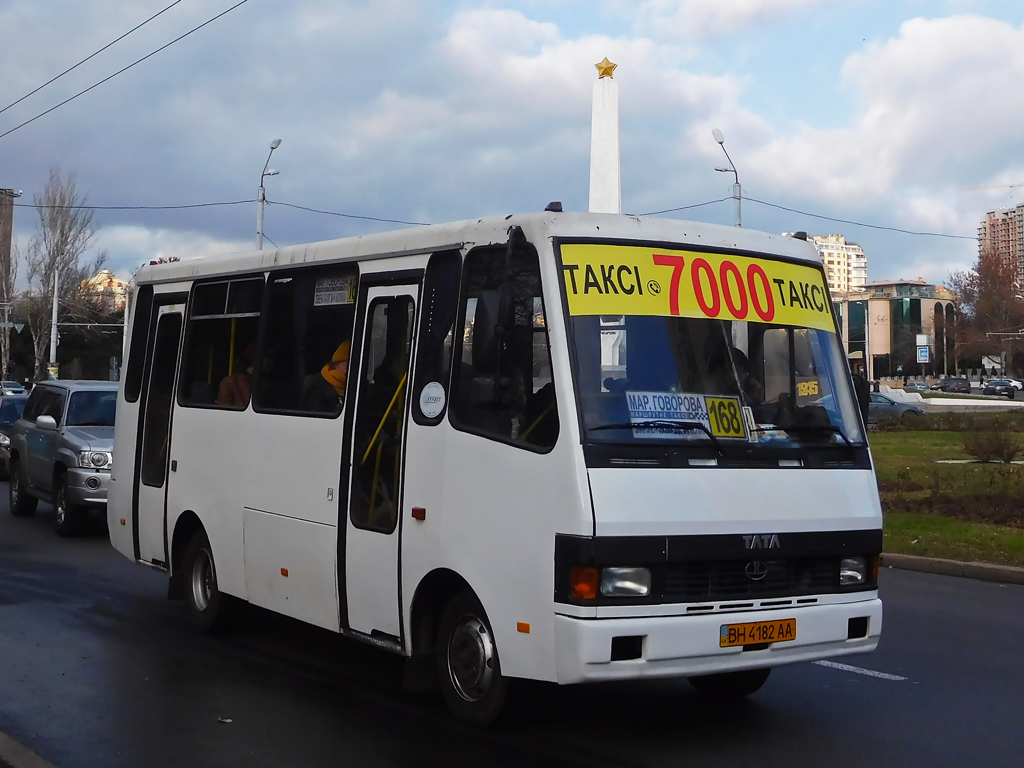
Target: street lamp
[
  {"x": 737, "y": 192},
  {"x": 261, "y": 198}
]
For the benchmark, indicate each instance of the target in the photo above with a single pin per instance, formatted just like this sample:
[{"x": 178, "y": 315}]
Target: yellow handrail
[{"x": 384, "y": 418}]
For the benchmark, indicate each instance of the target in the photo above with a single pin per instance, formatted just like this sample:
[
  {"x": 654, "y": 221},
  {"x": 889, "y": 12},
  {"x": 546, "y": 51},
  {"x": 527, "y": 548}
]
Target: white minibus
[{"x": 560, "y": 447}]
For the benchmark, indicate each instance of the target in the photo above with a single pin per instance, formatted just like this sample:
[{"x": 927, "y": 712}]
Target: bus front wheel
[
  {"x": 207, "y": 607},
  {"x": 469, "y": 671},
  {"x": 731, "y": 685}
]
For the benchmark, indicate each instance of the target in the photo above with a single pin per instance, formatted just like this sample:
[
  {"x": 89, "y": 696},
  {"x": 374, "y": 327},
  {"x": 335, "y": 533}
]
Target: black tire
[
  {"x": 22, "y": 505},
  {"x": 468, "y": 667},
  {"x": 729, "y": 686},
  {"x": 209, "y": 609},
  {"x": 68, "y": 519}
]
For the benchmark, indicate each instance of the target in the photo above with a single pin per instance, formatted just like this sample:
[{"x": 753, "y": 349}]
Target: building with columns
[{"x": 886, "y": 324}]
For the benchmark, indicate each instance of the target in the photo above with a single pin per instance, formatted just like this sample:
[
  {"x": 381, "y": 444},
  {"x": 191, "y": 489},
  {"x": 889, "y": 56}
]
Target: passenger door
[
  {"x": 150, "y": 506},
  {"x": 373, "y": 526}
]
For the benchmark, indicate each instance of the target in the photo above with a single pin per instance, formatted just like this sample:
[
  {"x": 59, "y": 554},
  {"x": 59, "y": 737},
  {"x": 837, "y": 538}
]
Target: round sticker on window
[{"x": 432, "y": 400}]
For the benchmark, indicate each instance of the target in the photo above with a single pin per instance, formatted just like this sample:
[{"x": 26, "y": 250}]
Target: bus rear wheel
[
  {"x": 209, "y": 609},
  {"x": 726, "y": 686},
  {"x": 469, "y": 671}
]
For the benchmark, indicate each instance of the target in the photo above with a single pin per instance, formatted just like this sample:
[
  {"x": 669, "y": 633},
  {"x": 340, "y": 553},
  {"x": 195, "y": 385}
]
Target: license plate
[{"x": 756, "y": 632}]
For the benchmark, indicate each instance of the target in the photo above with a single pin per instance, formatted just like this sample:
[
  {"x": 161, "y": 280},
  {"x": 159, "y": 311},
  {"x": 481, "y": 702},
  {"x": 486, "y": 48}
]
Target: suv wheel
[
  {"x": 67, "y": 518},
  {"x": 22, "y": 505}
]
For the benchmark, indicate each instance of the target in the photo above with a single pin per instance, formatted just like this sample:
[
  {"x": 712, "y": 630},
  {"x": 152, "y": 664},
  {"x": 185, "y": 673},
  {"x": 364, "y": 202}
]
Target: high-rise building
[
  {"x": 846, "y": 264},
  {"x": 1002, "y": 231}
]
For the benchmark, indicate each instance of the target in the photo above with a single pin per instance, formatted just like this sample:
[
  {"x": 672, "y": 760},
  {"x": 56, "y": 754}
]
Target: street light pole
[
  {"x": 737, "y": 192},
  {"x": 261, "y": 197}
]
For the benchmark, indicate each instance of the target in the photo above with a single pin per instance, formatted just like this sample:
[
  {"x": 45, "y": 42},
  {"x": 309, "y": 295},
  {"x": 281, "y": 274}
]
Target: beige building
[
  {"x": 1002, "y": 231},
  {"x": 113, "y": 293},
  {"x": 846, "y": 264},
  {"x": 893, "y": 323}
]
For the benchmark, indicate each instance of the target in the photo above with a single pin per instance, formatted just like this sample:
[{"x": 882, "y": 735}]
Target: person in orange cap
[{"x": 325, "y": 392}]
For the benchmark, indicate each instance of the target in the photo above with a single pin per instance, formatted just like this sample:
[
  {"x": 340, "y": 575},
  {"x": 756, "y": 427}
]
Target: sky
[{"x": 879, "y": 112}]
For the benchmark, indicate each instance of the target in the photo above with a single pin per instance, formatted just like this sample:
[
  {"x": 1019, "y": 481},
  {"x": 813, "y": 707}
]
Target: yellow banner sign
[{"x": 603, "y": 279}]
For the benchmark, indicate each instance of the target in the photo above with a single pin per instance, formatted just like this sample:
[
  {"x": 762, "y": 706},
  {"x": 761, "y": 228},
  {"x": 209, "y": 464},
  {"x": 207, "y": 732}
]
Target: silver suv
[{"x": 60, "y": 451}]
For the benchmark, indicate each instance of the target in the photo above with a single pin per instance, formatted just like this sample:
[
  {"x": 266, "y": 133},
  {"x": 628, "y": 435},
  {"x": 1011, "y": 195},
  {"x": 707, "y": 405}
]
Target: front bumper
[
  {"x": 87, "y": 487},
  {"x": 679, "y": 646}
]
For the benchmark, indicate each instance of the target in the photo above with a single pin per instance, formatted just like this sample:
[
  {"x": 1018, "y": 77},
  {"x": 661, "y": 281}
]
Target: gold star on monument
[{"x": 605, "y": 68}]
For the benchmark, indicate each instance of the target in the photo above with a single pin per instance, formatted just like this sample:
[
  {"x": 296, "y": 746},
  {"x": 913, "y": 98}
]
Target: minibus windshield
[{"x": 673, "y": 345}]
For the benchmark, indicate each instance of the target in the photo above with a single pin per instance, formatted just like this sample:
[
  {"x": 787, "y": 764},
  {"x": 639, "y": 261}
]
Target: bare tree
[{"x": 65, "y": 232}]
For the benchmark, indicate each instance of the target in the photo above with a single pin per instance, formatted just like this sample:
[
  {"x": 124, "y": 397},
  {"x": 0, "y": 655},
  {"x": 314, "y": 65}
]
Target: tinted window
[
  {"x": 307, "y": 334},
  {"x": 433, "y": 362},
  {"x": 11, "y": 410},
  {"x": 377, "y": 461},
  {"x": 92, "y": 409},
  {"x": 502, "y": 386},
  {"x": 156, "y": 422},
  {"x": 220, "y": 348},
  {"x": 137, "y": 349}
]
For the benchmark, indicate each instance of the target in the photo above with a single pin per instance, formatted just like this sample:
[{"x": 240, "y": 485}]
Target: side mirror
[{"x": 47, "y": 422}]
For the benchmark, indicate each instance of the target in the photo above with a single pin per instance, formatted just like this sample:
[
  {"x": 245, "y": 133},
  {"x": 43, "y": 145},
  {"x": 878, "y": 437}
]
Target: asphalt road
[{"x": 97, "y": 668}]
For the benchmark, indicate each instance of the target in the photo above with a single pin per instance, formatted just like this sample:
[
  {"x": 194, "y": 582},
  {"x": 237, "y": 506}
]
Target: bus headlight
[
  {"x": 853, "y": 571},
  {"x": 625, "y": 582}
]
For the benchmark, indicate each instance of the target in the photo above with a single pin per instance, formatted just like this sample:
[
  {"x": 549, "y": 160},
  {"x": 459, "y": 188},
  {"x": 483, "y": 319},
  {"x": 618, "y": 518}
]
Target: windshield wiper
[
  {"x": 808, "y": 428},
  {"x": 665, "y": 424}
]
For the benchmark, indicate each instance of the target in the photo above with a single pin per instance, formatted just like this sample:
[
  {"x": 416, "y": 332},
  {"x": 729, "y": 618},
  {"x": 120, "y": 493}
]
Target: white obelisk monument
[{"x": 605, "y": 179}]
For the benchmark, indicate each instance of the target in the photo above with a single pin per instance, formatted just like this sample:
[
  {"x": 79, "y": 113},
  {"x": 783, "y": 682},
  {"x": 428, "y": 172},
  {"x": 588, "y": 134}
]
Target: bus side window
[
  {"x": 502, "y": 386},
  {"x": 137, "y": 351},
  {"x": 433, "y": 361},
  {"x": 220, "y": 345},
  {"x": 309, "y": 317}
]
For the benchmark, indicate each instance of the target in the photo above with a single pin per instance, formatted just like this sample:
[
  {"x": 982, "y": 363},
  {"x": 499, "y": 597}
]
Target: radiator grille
[{"x": 732, "y": 579}]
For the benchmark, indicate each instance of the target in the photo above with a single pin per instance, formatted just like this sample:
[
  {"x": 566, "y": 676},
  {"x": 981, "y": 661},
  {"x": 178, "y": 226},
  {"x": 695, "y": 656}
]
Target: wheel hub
[
  {"x": 202, "y": 580},
  {"x": 471, "y": 658}
]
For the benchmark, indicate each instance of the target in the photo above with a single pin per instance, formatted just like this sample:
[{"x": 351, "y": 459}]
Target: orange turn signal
[
  {"x": 284, "y": 572},
  {"x": 523, "y": 627},
  {"x": 874, "y": 568},
  {"x": 583, "y": 583}
]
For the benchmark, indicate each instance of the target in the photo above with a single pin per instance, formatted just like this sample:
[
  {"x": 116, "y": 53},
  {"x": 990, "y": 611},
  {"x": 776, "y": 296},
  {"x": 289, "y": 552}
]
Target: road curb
[
  {"x": 17, "y": 755},
  {"x": 1006, "y": 574}
]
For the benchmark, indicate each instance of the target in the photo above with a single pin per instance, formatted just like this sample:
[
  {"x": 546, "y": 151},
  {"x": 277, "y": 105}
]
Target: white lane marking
[{"x": 859, "y": 670}]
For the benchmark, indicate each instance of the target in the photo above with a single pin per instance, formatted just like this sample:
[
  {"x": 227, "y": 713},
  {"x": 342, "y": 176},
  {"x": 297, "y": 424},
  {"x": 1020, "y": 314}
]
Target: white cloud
[
  {"x": 695, "y": 19},
  {"x": 937, "y": 104}
]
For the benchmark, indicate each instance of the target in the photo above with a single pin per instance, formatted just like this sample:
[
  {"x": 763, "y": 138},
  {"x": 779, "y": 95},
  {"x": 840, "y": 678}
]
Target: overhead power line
[
  {"x": 424, "y": 224},
  {"x": 351, "y": 215},
  {"x": 90, "y": 56},
  {"x": 136, "y": 207},
  {"x": 123, "y": 69},
  {"x": 861, "y": 223}
]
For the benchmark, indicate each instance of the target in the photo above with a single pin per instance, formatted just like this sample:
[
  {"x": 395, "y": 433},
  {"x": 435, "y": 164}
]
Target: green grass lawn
[{"x": 956, "y": 511}]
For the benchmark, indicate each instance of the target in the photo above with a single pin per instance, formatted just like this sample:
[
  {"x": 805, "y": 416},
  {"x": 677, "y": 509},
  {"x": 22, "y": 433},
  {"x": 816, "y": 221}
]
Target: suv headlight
[
  {"x": 4, "y": 440},
  {"x": 625, "y": 582},
  {"x": 94, "y": 459}
]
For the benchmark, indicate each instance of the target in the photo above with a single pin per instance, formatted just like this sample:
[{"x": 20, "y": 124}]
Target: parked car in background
[
  {"x": 1016, "y": 383},
  {"x": 1000, "y": 387},
  {"x": 953, "y": 384},
  {"x": 882, "y": 408},
  {"x": 916, "y": 386},
  {"x": 11, "y": 407},
  {"x": 12, "y": 388},
  {"x": 61, "y": 451}
]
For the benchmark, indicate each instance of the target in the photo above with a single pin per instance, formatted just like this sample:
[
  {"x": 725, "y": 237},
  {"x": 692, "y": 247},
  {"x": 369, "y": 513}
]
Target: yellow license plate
[{"x": 756, "y": 632}]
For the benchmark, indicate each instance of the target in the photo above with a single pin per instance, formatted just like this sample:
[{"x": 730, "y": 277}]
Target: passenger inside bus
[
  {"x": 236, "y": 388},
  {"x": 325, "y": 391}
]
